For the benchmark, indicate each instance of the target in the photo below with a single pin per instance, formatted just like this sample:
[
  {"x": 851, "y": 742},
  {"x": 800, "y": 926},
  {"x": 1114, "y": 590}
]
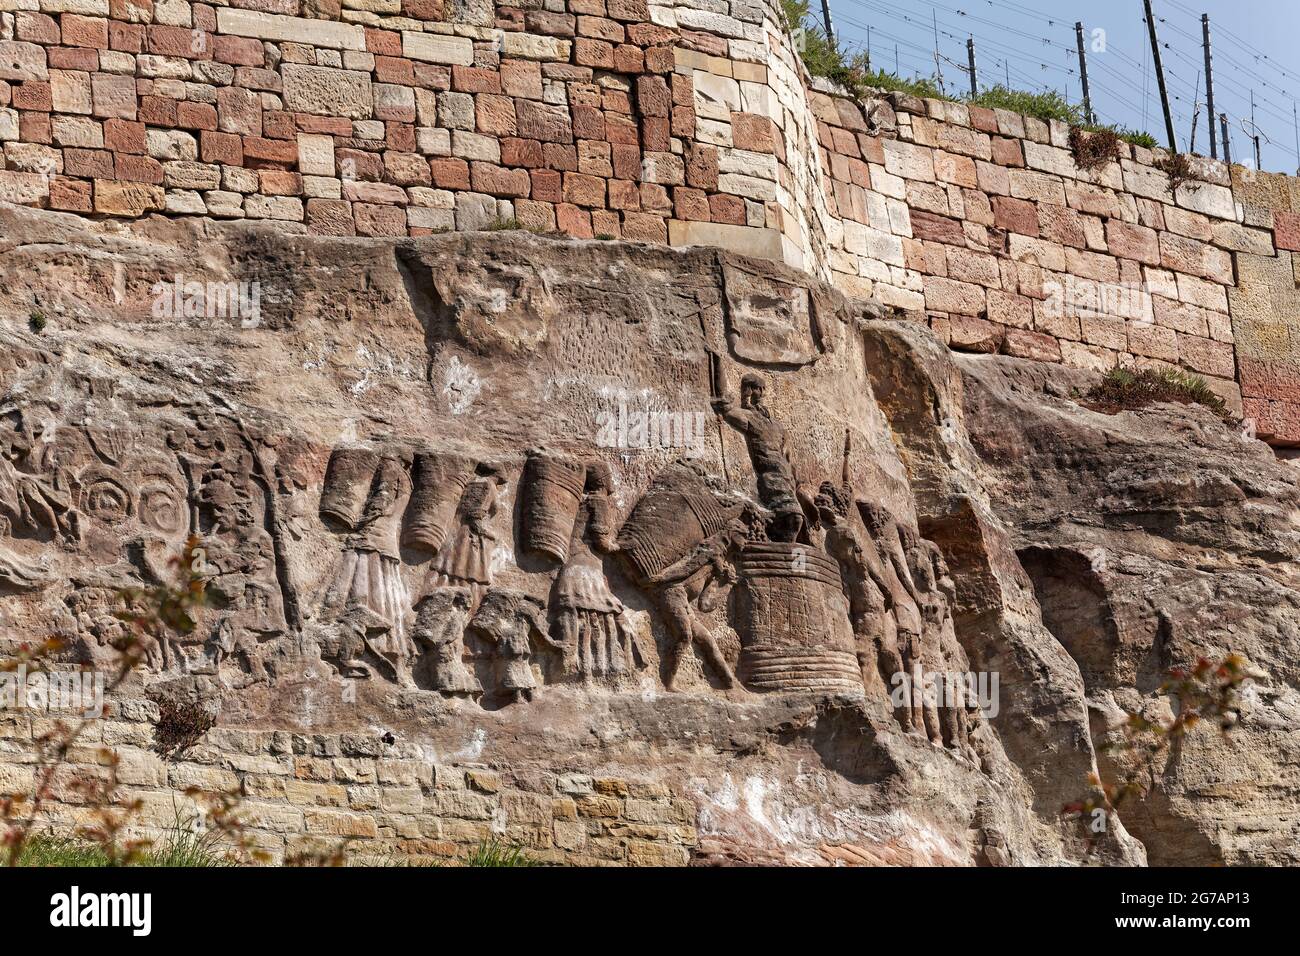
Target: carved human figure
[
  {"x": 864, "y": 578},
  {"x": 943, "y": 654},
  {"x": 589, "y": 621},
  {"x": 368, "y": 586},
  {"x": 901, "y": 640},
  {"x": 779, "y": 488},
  {"x": 466, "y": 558},
  {"x": 510, "y": 621},
  {"x": 699, "y": 580},
  {"x": 440, "y": 621}
]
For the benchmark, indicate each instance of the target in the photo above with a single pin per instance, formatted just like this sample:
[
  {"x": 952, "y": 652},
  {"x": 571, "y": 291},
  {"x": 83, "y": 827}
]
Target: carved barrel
[
  {"x": 793, "y": 619},
  {"x": 437, "y": 484},
  {"x": 553, "y": 488},
  {"x": 347, "y": 484}
]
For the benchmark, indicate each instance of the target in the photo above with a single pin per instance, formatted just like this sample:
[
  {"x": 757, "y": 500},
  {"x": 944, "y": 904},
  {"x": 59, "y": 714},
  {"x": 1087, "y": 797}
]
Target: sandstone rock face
[{"x": 616, "y": 552}]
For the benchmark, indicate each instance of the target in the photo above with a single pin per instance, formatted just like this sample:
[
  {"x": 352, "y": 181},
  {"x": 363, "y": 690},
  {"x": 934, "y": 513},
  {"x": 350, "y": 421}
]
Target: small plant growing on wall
[{"x": 1095, "y": 149}]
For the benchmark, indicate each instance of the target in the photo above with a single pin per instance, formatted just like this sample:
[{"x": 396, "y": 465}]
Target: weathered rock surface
[{"x": 367, "y": 619}]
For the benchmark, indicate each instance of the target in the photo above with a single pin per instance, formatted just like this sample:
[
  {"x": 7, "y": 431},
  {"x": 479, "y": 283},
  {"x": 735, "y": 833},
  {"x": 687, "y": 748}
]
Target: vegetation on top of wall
[
  {"x": 1126, "y": 389},
  {"x": 823, "y": 57}
]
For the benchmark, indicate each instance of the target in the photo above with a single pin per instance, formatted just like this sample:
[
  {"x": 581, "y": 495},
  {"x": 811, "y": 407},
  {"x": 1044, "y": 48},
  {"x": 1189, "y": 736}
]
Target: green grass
[
  {"x": 177, "y": 849},
  {"x": 1124, "y": 388},
  {"x": 495, "y": 853}
]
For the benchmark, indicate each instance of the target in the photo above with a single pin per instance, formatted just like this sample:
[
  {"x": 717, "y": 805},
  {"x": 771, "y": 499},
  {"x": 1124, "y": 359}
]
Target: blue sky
[{"x": 1033, "y": 41}]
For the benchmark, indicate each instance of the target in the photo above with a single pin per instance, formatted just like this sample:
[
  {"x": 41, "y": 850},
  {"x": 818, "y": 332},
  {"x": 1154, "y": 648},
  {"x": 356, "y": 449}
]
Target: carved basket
[
  {"x": 553, "y": 488},
  {"x": 793, "y": 619}
]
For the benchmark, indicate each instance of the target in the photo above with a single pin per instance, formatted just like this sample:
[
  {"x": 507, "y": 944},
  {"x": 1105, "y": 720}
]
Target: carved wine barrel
[
  {"x": 793, "y": 619},
  {"x": 672, "y": 518},
  {"x": 552, "y": 491},
  {"x": 347, "y": 484},
  {"x": 438, "y": 481}
]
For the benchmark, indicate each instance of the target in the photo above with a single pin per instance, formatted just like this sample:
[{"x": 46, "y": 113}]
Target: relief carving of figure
[
  {"x": 901, "y": 641},
  {"x": 368, "y": 587},
  {"x": 779, "y": 488},
  {"x": 510, "y": 621},
  {"x": 589, "y": 621},
  {"x": 465, "y": 559},
  {"x": 440, "y": 622}
]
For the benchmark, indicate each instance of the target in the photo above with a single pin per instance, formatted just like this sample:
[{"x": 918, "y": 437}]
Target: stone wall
[
  {"x": 303, "y": 795},
  {"x": 687, "y": 122}
]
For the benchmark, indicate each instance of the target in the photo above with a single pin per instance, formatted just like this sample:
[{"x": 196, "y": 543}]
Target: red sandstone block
[
  {"x": 73, "y": 58},
  {"x": 355, "y": 164},
  {"x": 702, "y": 167},
  {"x": 656, "y": 134},
  {"x": 33, "y": 95},
  {"x": 333, "y": 125},
  {"x": 400, "y": 136},
  {"x": 521, "y": 78},
  {"x": 704, "y": 42},
  {"x": 624, "y": 194},
  {"x": 660, "y": 59},
  {"x": 34, "y": 128},
  {"x": 84, "y": 31},
  {"x": 158, "y": 110},
  {"x": 424, "y": 9},
  {"x": 4, "y": 93},
  {"x": 621, "y": 129},
  {"x": 224, "y": 148},
  {"x": 205, "y": 15},
  {"x": 71, "y": 195},
  {"x": 547, "y": 185},
  {"x": 1286, "y": 230},
  {"x": 753, "y": 132},
  {"x": 124, "y": 136},
  {"x": 238, "y": 51},
  {"x": 626, "y": 160},
  {"x": 654, "y": 199},
  {"x": 276, "y": 124},
  {"x": 36, "y": 28},
  {"x": 628, "y": 59},
  {"x": 583, "y": 190},
  {"x": 88, "y": 163},
  {"x": 179, "y": 42},
  {"x": 131, "y": 10},
  {"x": 137, "y": 169},
  {"x": 872, "y": 150},
  {"x": 432, "y": 76},
  {"x": 601, "y": 28},
  {"x": 653, "y": 96},
  {"x": 394, "y": 69},
  {"x": 643, "y": 227},
  {"x": 984, "y": 120},
  {"x": 588, "y": 122},
  {"x": 1007, "y": 152},
  {"x": 683, "y": 122},
  {"x": 260, "y": 152},
  {"x": 616, "y": 101},
  {"x": 573, "y": 221},
  {"x": 383, "y": 42},
  {"x": 597, "y": 54},
  {"x": 449, "y": 173},
  {"x": 126, "y": 37},
  {"x": 499, "y": 181},
  {"x": 1015, "y": 215},
  {"x": 330, "y": 217},
  {"x": 375, "y": 220},
  {"x": 690, "y": 204},
  {"x": 494, "y": 115},
  {"x": 560, "y": 156},
  {"x": 279, "y": 182},
  {"x": 728, "y": 209},
  {"x": 928, "y": 226},
  {"x": 651, "y": 34},
  {"x": 196, "y": 116},
  {"x": 605, "y": 224},
  {"x": 469, "y": 79},
  {"x": 521, "y": 152},
  {"x": 407, "y": 169}
]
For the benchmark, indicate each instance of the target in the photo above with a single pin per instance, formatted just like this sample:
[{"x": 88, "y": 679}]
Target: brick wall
[
  {"x": 678, "y": 121},
  {"x": 300, "y": 795}
]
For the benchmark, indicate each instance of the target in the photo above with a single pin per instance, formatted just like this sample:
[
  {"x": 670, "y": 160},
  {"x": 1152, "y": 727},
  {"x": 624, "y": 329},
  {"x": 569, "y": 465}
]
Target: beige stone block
[{"x": 267, "y": 26}]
